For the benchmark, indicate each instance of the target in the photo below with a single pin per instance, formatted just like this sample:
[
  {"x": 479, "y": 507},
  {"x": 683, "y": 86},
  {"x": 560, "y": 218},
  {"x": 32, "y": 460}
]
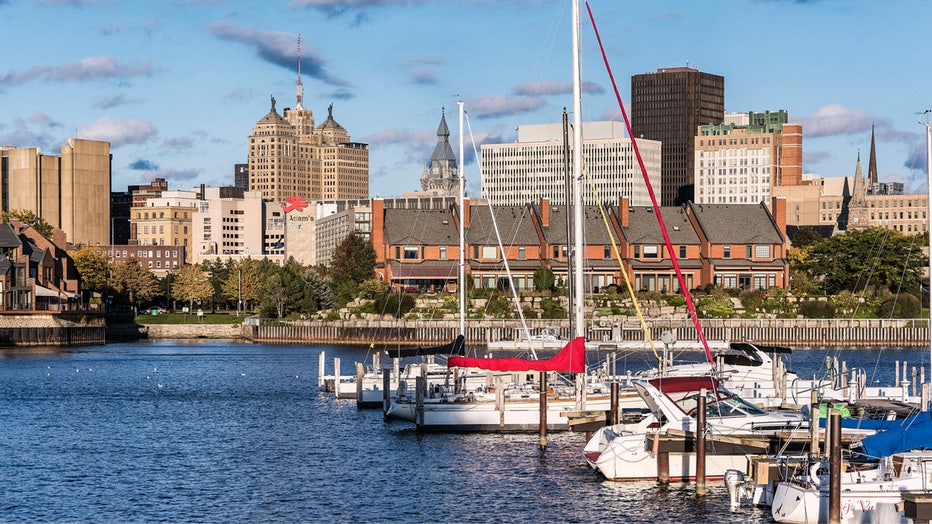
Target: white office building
[{"x": 535, "y": 166}]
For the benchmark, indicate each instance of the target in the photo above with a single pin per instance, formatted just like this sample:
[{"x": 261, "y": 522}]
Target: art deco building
[
  {"x": 289, "y": 156},
  {"x": 669, "y": 105},
  {"x": 535, "y": 167},
  {"x": 166, "y": 220},
  {"x": 70, "y": 191}
]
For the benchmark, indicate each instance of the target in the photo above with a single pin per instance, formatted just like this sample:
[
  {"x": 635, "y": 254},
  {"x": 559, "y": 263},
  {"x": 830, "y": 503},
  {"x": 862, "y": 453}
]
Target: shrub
[
  {"x": 904, "y": 306},
  {"x": 816, "y": 308},
  {"x": 552, "y": 309}
]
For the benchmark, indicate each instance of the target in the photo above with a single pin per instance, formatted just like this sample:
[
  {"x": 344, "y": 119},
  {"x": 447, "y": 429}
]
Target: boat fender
[{"x": 814, "y": 474}]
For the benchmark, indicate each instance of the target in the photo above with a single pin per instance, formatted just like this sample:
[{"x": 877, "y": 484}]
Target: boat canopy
[
  {"x": 570, "y": 359},
  {"x": 456, "y": 347},
  {"x": 913, "y": 432}
]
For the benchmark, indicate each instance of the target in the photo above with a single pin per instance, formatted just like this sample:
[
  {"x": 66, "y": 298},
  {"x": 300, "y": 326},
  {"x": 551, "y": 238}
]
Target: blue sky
[{"x": 177, "y": 85}]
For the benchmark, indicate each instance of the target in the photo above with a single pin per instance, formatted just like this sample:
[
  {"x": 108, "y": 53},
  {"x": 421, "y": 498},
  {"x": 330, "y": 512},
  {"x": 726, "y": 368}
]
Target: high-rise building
[
  {"x": 289, "y": 156},
  {"x": 70, "y": 191},
  {"x": 441, "y": 176},
  {"x": 241, "y": 175},
  {"x": 536, "y": 166},
  {"x": 741, "y": 163},
  {"x": 669, "y": 105}
]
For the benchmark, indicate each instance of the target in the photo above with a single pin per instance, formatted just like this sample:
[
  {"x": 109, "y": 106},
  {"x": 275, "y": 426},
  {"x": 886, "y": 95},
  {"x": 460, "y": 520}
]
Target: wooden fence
[{"x": 787, "y": 332}]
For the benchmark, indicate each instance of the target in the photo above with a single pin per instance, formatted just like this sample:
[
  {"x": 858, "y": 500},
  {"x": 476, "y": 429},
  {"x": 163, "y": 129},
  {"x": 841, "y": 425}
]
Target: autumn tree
[
  {"x": 133, "y": 281},
  {"x": 191, "y": 284},
  {"x": 93, "y": 266},
  {"x": 244, "y": 282}
]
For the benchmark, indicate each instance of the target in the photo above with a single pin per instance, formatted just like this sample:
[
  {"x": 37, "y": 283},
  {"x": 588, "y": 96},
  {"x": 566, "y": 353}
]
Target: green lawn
[{"x": 191, "y": 318}]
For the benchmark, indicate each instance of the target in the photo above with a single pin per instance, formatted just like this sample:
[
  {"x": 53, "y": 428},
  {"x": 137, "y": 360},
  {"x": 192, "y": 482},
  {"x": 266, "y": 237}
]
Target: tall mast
[
  {"x": 461, "y": 286},
  {"x": 579, "y": 298},
  {"x": 928, "y": 127},
  {"x": 579, "y": 291},
  {"x": 300, "y": 88}
]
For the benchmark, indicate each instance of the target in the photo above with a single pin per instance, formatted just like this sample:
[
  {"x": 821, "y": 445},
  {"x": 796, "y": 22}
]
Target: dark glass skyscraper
[{"x": 668, "y": 106}]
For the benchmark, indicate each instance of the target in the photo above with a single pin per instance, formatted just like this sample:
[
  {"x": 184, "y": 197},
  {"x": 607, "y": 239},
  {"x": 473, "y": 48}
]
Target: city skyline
[{"x": 177, "y": 90}]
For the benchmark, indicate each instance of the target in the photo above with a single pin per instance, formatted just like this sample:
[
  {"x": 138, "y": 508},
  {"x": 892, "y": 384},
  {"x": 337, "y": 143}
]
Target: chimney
[
  {"x": 623, "y": 211},
  {"x": 778, "y": 209},
  {"x": 545, "y": 212},
  {"x": 466, "y": 212}
]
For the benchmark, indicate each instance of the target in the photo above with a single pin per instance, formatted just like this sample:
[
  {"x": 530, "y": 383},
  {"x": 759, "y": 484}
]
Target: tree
[
  {"x": 859, "y": 258},
  {"x": 192, "y": 285},
  {"x": 805, "y": 236},
  {"x": 544, "y": 279},
  {"x": 243, "y": 282},
  {"x": 217, "y": 272},
  {"x": 353, "y": 262},
  {"x": 93, "y": 266},
  {"x": 134, "y": 281},
  {"x": 29, "y": 218},
  {"x": 320, "y": 289}
]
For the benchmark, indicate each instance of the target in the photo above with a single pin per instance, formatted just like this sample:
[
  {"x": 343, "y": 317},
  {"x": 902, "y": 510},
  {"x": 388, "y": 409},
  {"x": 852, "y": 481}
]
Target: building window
[
  {"x": 637, "y": 251},
  {"x": 726, "y": 252},
  {"x": 682, "y": 251},
  {"x": 410, "y": 253},
  {"x": 762, "y": 251},
  {"x": 650, "y": 251},
  {"x": 489, "y": 252},
  {"x": 443, "y": 253},
  {"x": 607, "y": 251},
  {"x": 522, "y": 253}
]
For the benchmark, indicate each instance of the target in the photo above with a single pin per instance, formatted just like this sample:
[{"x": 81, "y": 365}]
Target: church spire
[
  {"x": 872, "y": 163},
  {"x": 300, "y": 88}
]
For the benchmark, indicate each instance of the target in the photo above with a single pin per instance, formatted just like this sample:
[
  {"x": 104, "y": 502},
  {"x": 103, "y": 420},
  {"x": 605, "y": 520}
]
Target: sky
[{"x": 176, "y": 86}]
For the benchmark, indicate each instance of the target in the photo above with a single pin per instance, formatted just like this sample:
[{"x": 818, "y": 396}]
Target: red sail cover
[{"x": 572, "y": 359}]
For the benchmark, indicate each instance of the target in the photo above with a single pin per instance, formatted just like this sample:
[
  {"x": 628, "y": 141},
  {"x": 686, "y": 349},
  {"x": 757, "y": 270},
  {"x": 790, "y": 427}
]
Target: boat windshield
[{"x": 724, "y": 404}]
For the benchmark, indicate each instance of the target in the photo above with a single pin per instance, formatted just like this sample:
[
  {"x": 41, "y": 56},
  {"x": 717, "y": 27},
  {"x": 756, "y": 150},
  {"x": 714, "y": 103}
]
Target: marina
[{"x": 209, "y": 431}]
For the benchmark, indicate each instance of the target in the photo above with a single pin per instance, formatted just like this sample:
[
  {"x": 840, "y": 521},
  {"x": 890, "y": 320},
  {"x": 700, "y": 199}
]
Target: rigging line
[
  {"x": 617, "y": 252},
  {"x": 650, "y": 190},
  {"x": 527, "y": 332},
  {"x": 870, "y": 273}
]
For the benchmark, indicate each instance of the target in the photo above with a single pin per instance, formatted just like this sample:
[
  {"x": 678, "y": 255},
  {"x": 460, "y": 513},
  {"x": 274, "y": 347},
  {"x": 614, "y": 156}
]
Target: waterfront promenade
[{"x": 821, "y": 333}]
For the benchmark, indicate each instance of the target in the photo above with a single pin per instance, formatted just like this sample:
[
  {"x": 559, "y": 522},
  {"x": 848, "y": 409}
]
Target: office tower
[{"x": 668, "y": 106}]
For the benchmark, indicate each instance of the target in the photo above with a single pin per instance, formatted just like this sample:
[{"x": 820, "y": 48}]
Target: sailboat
[{"x": 517, "y": 407}]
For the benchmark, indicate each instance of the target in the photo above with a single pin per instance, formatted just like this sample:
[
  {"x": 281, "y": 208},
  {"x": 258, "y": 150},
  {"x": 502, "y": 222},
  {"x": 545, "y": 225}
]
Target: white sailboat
[{"x": 500, "y": 407}]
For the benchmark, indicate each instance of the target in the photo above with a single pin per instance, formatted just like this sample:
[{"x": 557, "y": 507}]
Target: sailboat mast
[
  {"x": 461, "y": 284},
  {"x": 928, "y": 127},
  {"x": 579, "y": 298}
]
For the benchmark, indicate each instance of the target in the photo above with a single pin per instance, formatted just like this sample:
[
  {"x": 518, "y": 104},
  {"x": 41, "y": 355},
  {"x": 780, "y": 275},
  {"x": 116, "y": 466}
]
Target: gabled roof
[
  {"x": 643, "y": 227},
  {"x": 515, "y": 226},
  {"x": 8, "y": 236},
  {"x": 421, "y": 227},
  {"x": 593, "y": 225},
  {"x": 736, "y": 223}
]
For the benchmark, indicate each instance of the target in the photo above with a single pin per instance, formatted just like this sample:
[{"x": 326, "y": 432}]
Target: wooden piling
[
  {"x": 700, "y": 444},
  {"x": 613, "y": 414},
  {"x": 834, "y": 466},
  {"x": 543, "y": 411},
  {"x": 814, "y": 426}
]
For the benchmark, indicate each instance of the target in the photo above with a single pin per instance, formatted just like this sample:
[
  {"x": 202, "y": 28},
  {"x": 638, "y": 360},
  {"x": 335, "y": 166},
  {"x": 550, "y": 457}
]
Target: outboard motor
[{"x": 734, "y": 481}]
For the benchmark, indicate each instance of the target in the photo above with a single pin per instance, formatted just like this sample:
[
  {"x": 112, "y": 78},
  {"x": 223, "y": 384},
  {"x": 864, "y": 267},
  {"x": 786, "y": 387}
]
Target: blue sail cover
[{"x": 914, "y": 432}]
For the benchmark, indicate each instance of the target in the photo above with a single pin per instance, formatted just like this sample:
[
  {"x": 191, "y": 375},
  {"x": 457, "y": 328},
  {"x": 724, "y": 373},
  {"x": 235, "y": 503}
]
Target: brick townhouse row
[{"x": 728, "y": 245}]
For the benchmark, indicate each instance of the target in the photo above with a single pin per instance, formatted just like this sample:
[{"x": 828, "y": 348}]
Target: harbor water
[{"x": 216, "y": 431}]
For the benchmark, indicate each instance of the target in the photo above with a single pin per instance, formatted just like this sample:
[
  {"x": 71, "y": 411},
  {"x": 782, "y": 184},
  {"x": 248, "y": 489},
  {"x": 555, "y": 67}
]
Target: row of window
[{"x": 647, "y": 251}]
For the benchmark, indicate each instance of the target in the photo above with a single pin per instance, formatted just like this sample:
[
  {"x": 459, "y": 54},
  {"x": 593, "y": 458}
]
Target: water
[{"x": 225, "y": 432}]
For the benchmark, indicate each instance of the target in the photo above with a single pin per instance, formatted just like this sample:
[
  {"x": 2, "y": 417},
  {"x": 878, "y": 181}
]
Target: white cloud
[{"x": 118, "y": 132}]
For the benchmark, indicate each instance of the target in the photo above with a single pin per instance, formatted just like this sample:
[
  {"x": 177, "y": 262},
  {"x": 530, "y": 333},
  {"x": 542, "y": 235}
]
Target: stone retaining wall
[{"x": 193, "y": 331}]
